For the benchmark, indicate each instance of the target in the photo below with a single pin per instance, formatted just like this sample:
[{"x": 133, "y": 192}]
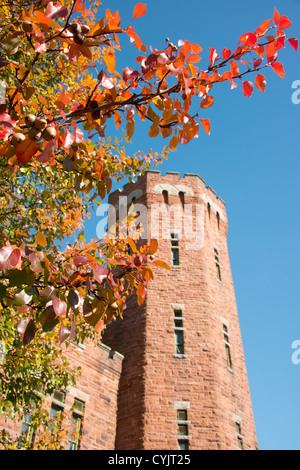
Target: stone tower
[{"x": 184, "y": 381}]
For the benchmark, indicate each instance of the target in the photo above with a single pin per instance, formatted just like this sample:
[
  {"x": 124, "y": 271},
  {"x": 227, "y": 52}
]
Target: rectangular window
[
  {"x": 238, "y": 429},
  {"x": 227, "y": 346},
  {"x": 77, "y": 422},
  {"x": 218, "y": 267},
  {"x": 26, "y": 433},
  {"x": 182, "y": 429},
  {"x": 178, "y": 329},
  {"x": 175, "y": 249}
]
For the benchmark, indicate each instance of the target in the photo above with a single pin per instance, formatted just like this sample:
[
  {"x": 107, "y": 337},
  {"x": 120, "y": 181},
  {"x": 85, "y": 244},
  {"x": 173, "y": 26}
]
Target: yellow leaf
[{"x": 40, "y": 239}]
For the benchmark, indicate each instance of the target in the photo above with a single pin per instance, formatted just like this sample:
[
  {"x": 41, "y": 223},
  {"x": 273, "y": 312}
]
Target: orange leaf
[
  {"x": 110, "y": 61},
  {"x": 207, "y": 102},
  {"x": 118, "y": 120},
  {"x": 153, "y": 247},
  {"x": 196, "y": 48},
  {"x": 234, "y": 69},
  {"x": 260, "y": 82},
  {"x": 193, "y": 58},
  {"x": 139, "y": 10},
  {"x": 278, "y": 68},
  {"x": 206, "y": 124},
  {"x": 162, "y": 264},
  {"x": 265, "y": 25},
  {"x": 26, "y": 150}
]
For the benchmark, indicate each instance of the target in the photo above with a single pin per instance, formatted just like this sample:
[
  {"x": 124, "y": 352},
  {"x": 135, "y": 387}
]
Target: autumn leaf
[
  {"x": 279, "y": 69},
  {"x": 60, "y": 307},
  {"x": 26, "y": 329},
  {"x": 206, "y": 125},
  {"x": 40, "y": 239},
  {"x": 139, "y": 10},
  {"x": 26, "y": 150},
  {"x": 260, "y": 82},
  {"x": 207, "y": 102},
  {"x": 248, "y": 88},
  {"x": 162, "y": 264},
  {"x": 226, "y": 53},
  {"x": 294, "y": 43},
  {"x": 284, "y": 22}
]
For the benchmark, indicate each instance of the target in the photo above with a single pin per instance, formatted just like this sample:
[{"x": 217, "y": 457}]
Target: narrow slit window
[
  {"x": 178, "y": 329},
  {"x": 175, "y": 249},
  {"x": 227, "y": 346},
  {"x": 218, "y": 266}
]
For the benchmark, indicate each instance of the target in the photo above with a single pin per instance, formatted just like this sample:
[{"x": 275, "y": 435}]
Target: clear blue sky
[{"x": 251, "y": 159}]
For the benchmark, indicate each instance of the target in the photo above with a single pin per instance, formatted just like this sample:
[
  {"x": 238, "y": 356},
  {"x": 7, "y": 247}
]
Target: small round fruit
[
  {"x": 34, "y": 134},
  {"x": 30, "y": 120},
  {"x": 85, "y": 29},
  {"x": 40, "y": 123},
  {"x": 93, "y": 104},
  {"x": 152, "y": 257},
  {"x": 74, "y": 28},
  {"x": 17, "y": 138},
  {"x": 49, "y": 133},
  {"x": 27, "y": 27},
  {"x": 79, "y": 38}
]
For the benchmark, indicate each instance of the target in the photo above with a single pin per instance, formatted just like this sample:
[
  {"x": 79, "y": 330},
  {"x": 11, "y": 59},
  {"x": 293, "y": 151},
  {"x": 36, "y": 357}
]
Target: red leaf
[
  {"x": 14, "y": 257},
  {"x": 260, "y": 82},
  {"x": 60, "y": 307},
  {"x": 276, "y": 16},
  {"x": 6, "y": 121},
  {"x": 294, "y": 43},
  {"x": 248, "y": 39},
  {"x": 26, "y": 150},
  {"x": 284, "y": 22},
  {"x": 100, "y": 274},
  {"x": 63, "y": 333},
  {"x": 26, "y": 329},
  {"x": 139, "y": 10},
  {"x": 257, "y": 62},
  {"x": 226, "y": 53},
  {"x": 248, "y": 88},
  {"x": 278, "y": 68},
  {"x": 213, "y": 57}
]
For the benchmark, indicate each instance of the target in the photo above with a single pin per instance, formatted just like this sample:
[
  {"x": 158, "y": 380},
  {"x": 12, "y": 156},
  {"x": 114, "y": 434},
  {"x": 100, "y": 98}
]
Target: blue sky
[{"x": 251, "y": 159}]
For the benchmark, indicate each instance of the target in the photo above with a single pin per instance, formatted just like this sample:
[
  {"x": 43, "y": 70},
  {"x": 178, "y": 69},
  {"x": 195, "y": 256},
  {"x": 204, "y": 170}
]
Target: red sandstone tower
[{"x": 184, "y": 382}]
